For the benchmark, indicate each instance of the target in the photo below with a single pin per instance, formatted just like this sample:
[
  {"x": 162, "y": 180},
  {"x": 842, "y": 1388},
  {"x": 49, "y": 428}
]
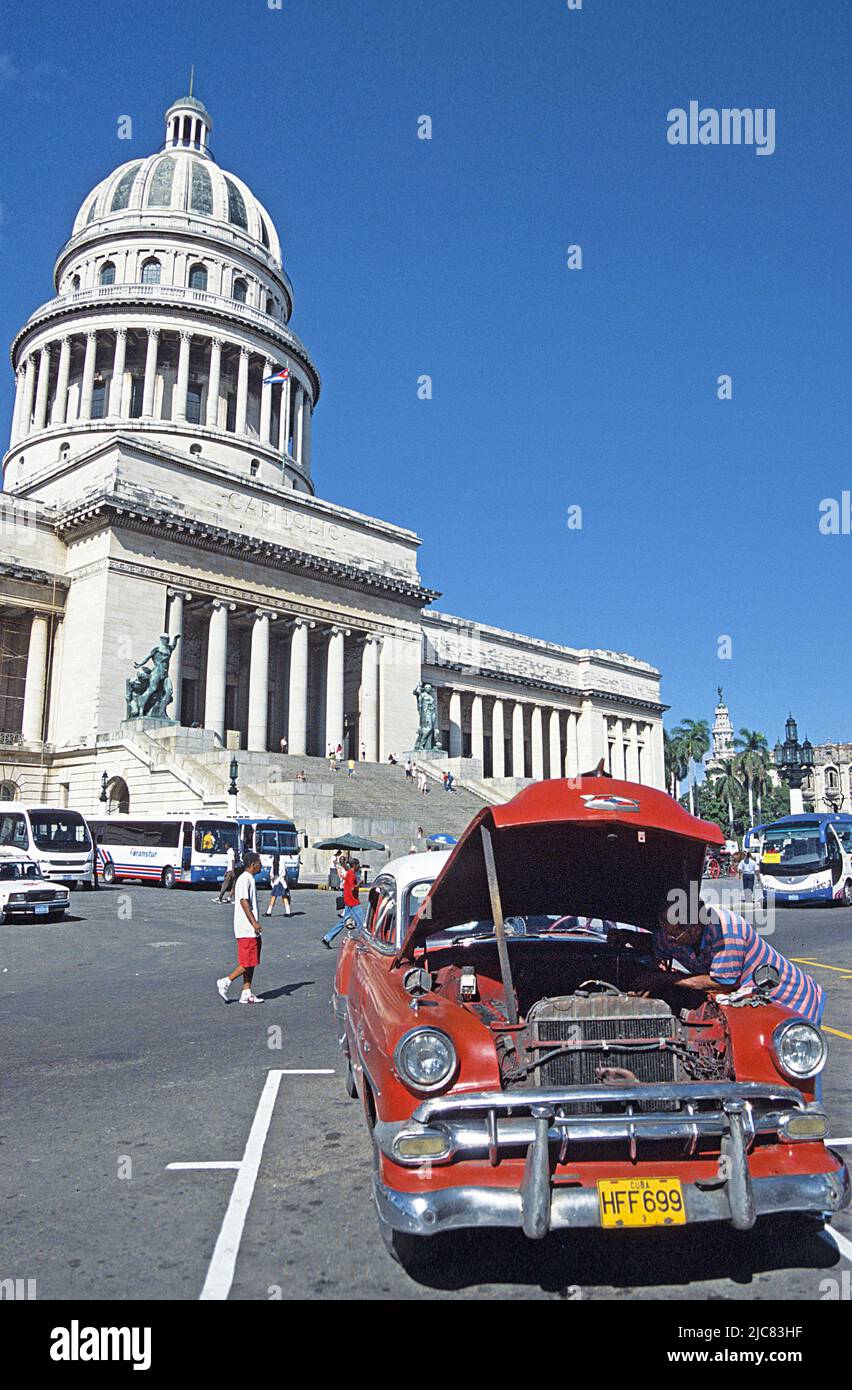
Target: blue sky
[{"x": 552, "y": 388}]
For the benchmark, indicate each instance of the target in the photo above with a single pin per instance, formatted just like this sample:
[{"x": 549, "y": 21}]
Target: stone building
[
  {"x": 160, "y": 479},
  {"x": 828, "y": 785}
]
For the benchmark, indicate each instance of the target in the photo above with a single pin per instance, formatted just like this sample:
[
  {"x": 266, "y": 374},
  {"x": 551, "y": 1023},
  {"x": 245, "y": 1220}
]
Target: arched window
[
  {"x": 107, "y": 274},
  {"x": 160, "y": 192},
  {"x": 92, "y": 211},
  {"x": 240, "y": 291},
  {"x": 255, "y": 467},
  {"x": 201, "y": 196},
  {"x": 118, "y": 797},
  {"x": 264, "y": 235},
  {"x": 151, "y": 271},
  {"x": 75, "y": 282},
  {"x": 8, "y": 791},
  {"x": 236, "y": 206},
  {"x": 832, "y": 781},
  {"x": 198, "y": 277},
  {"x": 195, "y": 449},
  {"x": 270, "y": 305},
  {"x": 121, "y": 196}
]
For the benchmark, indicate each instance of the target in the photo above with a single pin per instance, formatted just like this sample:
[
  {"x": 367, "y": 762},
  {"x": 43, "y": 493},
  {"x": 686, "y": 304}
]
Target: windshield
[
  {"x": 276, "y": 841},
  {"x": 8, "y": 871},
  {"x": 214, "y": 837},
  {"x": 595, "y": 928},
  {"x": 793, "y": 850},
  {"x": 60, "y": 830}
]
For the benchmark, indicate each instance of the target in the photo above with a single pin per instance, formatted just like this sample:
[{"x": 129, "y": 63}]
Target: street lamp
[
  {"x": 104, "y": 783},
  {"x": 793, "y": 761},
  {"x": 233, "y": 790}
]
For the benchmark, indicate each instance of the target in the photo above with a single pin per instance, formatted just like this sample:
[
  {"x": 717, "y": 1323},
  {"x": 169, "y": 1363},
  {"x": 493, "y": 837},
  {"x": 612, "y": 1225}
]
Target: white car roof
[
  {"x": 414, "y": 868},
  {"x": 10, "y": 852}
]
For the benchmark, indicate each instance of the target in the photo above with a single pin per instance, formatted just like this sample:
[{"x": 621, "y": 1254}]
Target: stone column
[
  {"x": 477, "y": 738},
  {"x": 117, "y": 382},
  {"x": 213, "y": 383},
  {"x": 298, "y": 427},
  {"x": 40, "y": 418},
  {"x": 36, "y": 680},
  {"x": 334, "y": 689},
  {"x": 284, "y": 417},
  {"x": 537, "y": 744},
  {"x": 18, "y": 408},
  {"x": 177, "y": 600},
  {"x": 307, "y": 418},
  {"x": 632, "y": 761},
  {"x": 29, "y": 394},
  {"x": 557, "y": 768},
  {"x": 149, "y": 388},
  {"x": 498, "y": 740},
  {"x": 370, "y": 698},
  {"x": 217, "y": 668},
  {"x": 242, "y": 392},
  {"x": 88, "y": 383},
  {"x": 60, "y": 400},
  {"x": 297, "y": 731},
  {"x": 182, "y": 383},
  {"x": 55, "y": 677},
  {"x": 591, "y": 737},
  {"x": 517, "y": 739},
  {"x": 259, "y": 683},
  {"x": 266, "y": 403},
  {"x": 455, "y": 724}
]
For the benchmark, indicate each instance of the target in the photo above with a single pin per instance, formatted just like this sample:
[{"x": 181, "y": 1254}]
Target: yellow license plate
[
  {"x": 641, "y": 1202},
  {"x": 772, "y": 858}
]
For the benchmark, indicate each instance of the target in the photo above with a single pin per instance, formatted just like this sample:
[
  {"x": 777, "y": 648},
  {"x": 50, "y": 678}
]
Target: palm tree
[
  {"x": 726, "y": 783},
  {"x": 752, "y": 761},
  {"x": 675, "y": 760},
  {"x": 695, "y": 742}
]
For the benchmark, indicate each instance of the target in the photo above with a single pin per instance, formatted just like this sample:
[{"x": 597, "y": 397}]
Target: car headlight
[
  {"x": 800, "y": 1048},
  {"x": 425, "y": 1058},
  {"x": 17, "y": 897}
]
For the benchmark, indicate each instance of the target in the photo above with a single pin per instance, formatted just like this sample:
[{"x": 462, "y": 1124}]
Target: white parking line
[
  {"x": 841, "y": 1143},
  {"x": 220, "y": 1274},
  {"x": 843, "y": 1245}
]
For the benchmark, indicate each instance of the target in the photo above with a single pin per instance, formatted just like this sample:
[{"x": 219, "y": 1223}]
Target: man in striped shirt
[{"x": 723, "y": 955}]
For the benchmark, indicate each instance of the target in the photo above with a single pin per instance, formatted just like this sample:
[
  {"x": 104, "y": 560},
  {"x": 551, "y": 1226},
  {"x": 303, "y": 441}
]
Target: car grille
[{"x": 602, "y": 1018}]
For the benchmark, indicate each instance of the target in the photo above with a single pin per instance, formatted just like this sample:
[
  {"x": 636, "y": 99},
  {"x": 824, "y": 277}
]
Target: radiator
[{"x": 599, "y": 1018}]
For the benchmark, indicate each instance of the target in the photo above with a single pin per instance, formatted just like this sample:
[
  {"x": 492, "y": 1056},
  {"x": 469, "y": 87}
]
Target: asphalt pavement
[{"x": 121, "y": 1060}]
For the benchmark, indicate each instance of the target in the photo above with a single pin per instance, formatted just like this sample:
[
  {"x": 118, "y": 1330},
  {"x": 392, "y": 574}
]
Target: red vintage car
[{"x": 510, "y": 1074}]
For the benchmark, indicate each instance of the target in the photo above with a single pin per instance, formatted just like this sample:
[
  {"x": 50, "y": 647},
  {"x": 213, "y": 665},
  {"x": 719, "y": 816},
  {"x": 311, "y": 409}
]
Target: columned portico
[
  {"x": 36, "y": 681},
  {"x": 334, "y": 689},
  {"x": 259, "y": 682},
  {"x": 370, "y": 657},
  {"x": 176, "y": 606},
  {"x": 297, "y": 731},
  {"x": 217, "y": 667}
]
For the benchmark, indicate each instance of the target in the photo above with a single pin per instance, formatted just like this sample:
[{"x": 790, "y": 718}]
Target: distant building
[
  {"x": 722, "y": 734},
  {"x": 828, "y": 787}
]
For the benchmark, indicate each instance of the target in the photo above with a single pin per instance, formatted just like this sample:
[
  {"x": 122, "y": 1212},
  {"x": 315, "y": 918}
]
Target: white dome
[{"x": 179, "y": 178}]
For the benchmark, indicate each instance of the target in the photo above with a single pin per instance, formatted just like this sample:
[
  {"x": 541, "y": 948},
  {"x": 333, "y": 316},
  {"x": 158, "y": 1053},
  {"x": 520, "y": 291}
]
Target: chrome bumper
[{"x": 495, "y": 1125}]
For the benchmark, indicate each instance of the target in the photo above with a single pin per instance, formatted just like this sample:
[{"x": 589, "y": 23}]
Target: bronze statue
[
  {"x": 150, "y": 692},
  {"x": 427, "y": 709},
  {"x": 719, "y": 693}
]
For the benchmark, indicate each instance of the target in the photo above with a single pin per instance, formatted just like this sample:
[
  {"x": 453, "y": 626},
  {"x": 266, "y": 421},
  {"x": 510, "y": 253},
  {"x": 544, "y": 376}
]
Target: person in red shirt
[{"x": 352, "y": 909}]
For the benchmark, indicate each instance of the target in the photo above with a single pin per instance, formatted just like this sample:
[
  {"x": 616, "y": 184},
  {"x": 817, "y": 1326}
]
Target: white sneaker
[
  {"x": 247, "y": 998},
  {"x": 223, "y": 986}
]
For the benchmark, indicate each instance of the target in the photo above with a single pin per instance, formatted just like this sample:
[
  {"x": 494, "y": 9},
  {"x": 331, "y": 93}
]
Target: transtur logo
[{"x": 76, "y": 1343}]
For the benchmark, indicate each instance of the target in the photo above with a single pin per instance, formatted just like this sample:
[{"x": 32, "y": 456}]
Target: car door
[{"x": 369, "y": 950}]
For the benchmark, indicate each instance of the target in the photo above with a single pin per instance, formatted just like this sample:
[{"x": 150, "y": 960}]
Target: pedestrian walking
[
  {"x": 279, "y": 886},
  {"x": 352, "y": 909},
  {"x": 749, "y": 872},
  {"x": 338, "y": 757},
  {"x": 283, "y": 744},
  {"x": 409, "y": 770},
  {"x": 363, "y": 752},
  {"x": 350, "y": 768},
  {"x": 332, "y": 761},
  {"x": 226, "y": 892},
  {"x": 448, "y": 783},
  {"x": 247, "y": 930}
]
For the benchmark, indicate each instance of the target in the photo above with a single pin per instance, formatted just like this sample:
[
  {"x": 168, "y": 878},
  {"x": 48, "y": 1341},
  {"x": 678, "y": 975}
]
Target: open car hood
[{"x": 589, "y": 846}]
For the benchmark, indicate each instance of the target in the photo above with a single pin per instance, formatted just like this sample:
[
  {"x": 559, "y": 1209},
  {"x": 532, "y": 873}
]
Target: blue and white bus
[
  {"x": 165, "y": 850},
  {"x": 808, "y": 859},
  {"x": 269, "y": 836}
]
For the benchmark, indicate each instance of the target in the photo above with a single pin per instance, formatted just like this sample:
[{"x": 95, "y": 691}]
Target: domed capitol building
[{"x": 159, "y": 479}]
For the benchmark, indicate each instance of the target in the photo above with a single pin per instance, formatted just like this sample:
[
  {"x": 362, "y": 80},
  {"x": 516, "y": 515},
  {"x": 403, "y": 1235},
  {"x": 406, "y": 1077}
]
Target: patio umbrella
[
  {"x": 348, "y": 842},
  {"x": 442, "y": 839}
]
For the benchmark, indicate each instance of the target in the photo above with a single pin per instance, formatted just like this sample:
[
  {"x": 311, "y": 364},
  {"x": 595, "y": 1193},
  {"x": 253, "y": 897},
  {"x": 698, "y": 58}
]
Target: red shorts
[{"x": 248, "y": 950}]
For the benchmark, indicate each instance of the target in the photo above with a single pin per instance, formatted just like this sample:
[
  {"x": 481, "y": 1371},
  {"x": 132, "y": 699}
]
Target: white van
[{"x": 55, "y": 838}]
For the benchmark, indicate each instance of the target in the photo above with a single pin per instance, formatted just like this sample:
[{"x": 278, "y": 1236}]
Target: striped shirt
[{"x": 736, "y": 950}]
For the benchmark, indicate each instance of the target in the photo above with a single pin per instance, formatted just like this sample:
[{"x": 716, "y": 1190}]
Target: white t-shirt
[{"x": 245, "y": 891}]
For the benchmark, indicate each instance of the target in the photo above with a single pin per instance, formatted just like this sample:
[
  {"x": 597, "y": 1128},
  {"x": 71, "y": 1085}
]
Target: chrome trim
[
  {"x": 409, "y": 1080},
  {"x": 683, "y": 1091},
  {"x": 454, "y": 1208},
  {"x": 777, "y": 1036}
]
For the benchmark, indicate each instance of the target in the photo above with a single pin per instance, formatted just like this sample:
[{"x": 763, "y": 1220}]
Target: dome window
[
  {"x": 270, "y": 305},
  {"x": 160, "y": 192},
  {"x": 195, "y": 450},
  {"x": 198, "y": 277},
  {"x": 106, "y": 275},
  {"x": 75, "y": 282},
  {"x": 92, "y": 211},
  {"x": 255, "y": 467},
  {"x": 201, "y": 196},
  {"x": 151, "y": 271},
  {"x": 236, "y": 206},
  {"x": 264, "y": 235},
  {"x": 240, "y": 291},
  {"x": 121, "y": 196}
]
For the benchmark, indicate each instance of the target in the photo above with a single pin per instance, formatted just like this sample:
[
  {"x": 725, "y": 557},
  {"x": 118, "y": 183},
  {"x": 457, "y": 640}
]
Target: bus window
[
  {"x": 212, "y": 837},
  {"x": 13, "y": 831},
  {"x": 59, "y": 830}
]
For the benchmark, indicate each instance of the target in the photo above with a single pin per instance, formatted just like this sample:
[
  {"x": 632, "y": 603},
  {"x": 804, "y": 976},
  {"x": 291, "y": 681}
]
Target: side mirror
[{"x": 304, "y": 839}]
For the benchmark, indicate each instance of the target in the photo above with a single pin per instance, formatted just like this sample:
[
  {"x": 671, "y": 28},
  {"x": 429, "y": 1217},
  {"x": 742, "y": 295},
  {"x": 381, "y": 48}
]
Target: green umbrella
[{"x": 347, "y": 842}]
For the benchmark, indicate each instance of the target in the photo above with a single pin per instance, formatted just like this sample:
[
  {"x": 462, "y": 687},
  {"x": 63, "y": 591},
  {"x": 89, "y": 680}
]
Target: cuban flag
[{"x": 278, "y": 377}]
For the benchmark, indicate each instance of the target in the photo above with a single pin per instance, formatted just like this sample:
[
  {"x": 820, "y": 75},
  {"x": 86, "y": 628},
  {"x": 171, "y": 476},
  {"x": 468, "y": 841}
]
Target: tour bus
[
  {"x": 268, "y": 837},
  {"x": 57, "y": 839},
  {"x": 808, "y": 859},
  {"x": 166, "y": 850}
]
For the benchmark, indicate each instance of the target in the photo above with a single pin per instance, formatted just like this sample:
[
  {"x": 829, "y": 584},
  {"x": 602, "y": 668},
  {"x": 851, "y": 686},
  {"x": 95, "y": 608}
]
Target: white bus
[
  {"x": 166, "y": 850},
  {"x": 57, "y": 839},
  {"x": 273, "y": 837},
  {"x": 807, "y": 858}
]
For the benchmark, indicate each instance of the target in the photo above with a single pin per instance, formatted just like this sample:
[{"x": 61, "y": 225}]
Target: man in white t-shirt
[{"x": 247, "y": 930}]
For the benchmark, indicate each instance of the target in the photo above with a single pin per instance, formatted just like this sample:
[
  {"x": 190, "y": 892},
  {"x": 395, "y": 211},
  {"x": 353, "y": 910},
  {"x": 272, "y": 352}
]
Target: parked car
[
  {"x": 510, "y": 1077},
  {"x": 25, "y": 895}
]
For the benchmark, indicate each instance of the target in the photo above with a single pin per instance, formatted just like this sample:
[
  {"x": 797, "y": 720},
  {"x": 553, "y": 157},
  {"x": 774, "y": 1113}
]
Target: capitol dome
[
  {"x": 171, "y": 322},
  {"x": 182, "y": 177}
]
